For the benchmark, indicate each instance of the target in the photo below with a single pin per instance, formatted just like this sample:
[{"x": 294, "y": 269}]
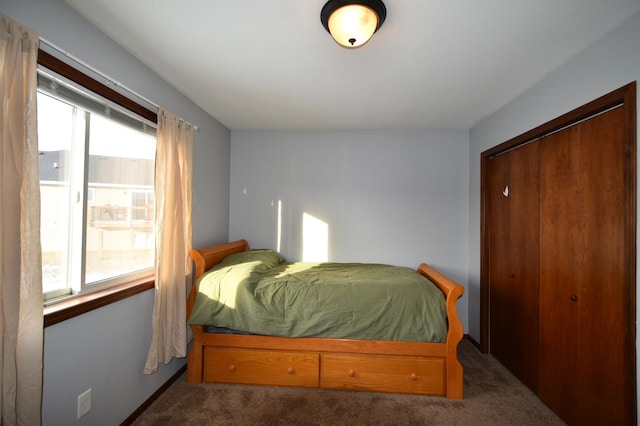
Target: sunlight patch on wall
[
  {"x": 279, "y": 227},
  {"x": 315, "y": 239}
]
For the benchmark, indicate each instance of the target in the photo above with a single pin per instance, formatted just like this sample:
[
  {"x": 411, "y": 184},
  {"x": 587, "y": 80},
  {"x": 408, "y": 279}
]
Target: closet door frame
[{"x": 625, "y": 97}]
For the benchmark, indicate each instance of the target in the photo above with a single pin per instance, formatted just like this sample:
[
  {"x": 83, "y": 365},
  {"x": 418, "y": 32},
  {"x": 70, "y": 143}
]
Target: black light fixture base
[{"x": 332, "y": 5}]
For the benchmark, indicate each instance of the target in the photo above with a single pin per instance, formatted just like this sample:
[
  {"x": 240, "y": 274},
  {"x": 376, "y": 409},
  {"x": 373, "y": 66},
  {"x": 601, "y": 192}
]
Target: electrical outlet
[{"x": 84, "y": 403}]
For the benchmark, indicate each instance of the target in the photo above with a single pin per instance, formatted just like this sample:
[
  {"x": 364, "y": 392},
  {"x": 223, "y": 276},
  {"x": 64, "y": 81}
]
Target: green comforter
[{"x": 259, "y": 293}]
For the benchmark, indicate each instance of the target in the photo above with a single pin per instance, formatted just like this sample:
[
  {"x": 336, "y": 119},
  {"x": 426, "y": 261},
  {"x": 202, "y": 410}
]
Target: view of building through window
[{"x": 96, "y": 184}]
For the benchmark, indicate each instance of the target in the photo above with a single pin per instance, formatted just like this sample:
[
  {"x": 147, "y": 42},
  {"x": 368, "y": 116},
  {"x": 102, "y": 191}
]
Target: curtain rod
[{"x": 110, "y": 81}]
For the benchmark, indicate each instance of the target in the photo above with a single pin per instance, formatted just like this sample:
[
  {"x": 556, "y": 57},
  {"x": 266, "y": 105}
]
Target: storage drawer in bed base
[
  {"x": 261, "y": 367},
  {"x": 382, "y": 373}
]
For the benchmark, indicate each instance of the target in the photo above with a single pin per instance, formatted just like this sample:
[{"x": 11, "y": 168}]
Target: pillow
[{"x": 263, "y": 258}]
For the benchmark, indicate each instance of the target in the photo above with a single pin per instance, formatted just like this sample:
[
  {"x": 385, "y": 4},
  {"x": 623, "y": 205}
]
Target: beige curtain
[
  {"x": 174, "y": 158},
  {"x": 21, "y": 321}
]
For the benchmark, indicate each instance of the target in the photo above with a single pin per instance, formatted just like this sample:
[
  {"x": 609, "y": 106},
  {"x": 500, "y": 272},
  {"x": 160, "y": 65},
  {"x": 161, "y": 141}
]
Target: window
[{"x": 96, "y": 187}]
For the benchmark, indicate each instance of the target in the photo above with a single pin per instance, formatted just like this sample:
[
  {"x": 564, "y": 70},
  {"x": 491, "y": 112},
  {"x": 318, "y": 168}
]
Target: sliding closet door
[
  {"x": 513, "y": 197},
  {"x": 584, "y": 313}
]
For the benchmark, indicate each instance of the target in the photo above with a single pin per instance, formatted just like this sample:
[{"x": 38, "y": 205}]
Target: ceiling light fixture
[{"x": 351, "y": 23}]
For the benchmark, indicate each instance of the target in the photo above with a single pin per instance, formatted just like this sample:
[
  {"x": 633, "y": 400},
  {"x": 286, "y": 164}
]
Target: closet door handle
[{"x": 573, "y": 298}]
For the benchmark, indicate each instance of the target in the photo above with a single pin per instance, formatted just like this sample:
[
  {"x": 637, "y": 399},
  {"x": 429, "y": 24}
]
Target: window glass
[
  {"x": 55, "y": 123},
  {"x": 96, "y": 184}
]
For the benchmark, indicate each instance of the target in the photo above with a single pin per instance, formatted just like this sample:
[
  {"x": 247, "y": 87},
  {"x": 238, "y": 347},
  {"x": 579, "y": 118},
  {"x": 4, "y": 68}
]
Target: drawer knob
[
  {"x": 352, "y": 373},
  {"x": 290, "y": 370},
  {"x": 414, "y": 376},
  {"x": 232, "y": 367}
]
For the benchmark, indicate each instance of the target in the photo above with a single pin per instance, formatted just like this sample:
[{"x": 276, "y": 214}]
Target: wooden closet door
[
  {"x": 583, "y": 311},
  {"x": 513, "y": 188}
]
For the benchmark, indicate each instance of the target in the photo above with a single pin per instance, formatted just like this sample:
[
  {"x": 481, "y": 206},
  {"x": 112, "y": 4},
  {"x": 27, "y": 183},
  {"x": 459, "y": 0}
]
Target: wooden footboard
[
  {"x": 452, "y": 292},
  {"x": 371, "y": 365}
]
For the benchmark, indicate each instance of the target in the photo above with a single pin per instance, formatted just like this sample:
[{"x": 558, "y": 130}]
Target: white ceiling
[{"x": 434, "y": 64}]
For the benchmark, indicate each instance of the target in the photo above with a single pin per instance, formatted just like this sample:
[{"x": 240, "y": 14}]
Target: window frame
[
  {"x": 47, "y": 60},
  {"x": 67, "y": 307}
]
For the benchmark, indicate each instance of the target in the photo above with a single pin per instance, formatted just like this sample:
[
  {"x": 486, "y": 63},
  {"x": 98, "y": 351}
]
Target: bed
[{"x": 395, "y": 363}]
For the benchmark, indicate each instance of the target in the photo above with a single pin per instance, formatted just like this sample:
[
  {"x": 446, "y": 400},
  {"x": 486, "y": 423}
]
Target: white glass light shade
[{"x": 353, "y": 25}]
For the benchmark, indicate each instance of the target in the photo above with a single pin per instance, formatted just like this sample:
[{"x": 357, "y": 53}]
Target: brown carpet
[{"x": 492, "y": 396}]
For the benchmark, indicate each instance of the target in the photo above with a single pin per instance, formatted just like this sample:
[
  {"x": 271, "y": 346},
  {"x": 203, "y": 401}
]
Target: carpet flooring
[{"x": 492, "y": 396}]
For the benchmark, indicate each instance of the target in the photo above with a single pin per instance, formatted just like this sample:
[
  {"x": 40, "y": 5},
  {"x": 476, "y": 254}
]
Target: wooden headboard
[{"x": 207, "y": 257}]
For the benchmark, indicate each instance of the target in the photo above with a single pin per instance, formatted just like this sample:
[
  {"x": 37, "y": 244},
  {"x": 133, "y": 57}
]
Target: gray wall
[
  {"x": 396, "y": 197},
  {"x": 608, "y": 64},
  {"x": 106, "y": 349}
]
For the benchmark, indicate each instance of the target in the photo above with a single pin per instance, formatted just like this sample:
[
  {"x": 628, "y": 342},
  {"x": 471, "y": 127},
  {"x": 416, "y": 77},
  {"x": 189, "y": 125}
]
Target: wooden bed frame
[{"x": 348, "y": 364}]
